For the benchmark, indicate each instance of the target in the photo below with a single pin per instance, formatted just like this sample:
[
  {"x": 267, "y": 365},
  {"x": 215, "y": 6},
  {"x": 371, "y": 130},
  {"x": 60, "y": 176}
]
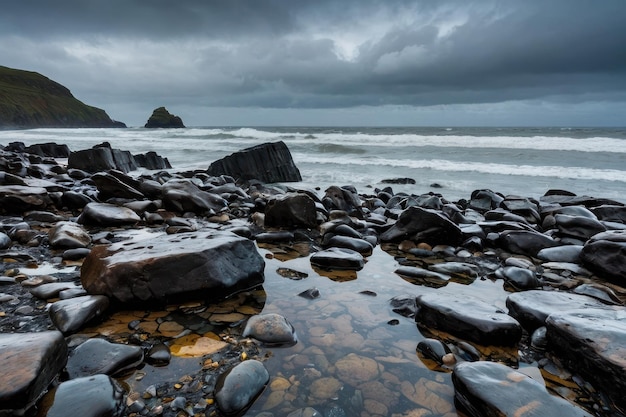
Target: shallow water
[{"x": 351, "y": 324}]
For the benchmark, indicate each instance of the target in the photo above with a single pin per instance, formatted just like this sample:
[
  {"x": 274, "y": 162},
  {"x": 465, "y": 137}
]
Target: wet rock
[
  {"x": 70, "y": 315},
  {"x": 424, "y": 225},
  {"x": 97, "y": 356},
  {"x": 268, "y": 162},
  {"x": 610, "y": 213},
  {"x": 237, "y": 388},
  {"x": 104, "y": 214},
  {"x": 17, "y": 199},
  {"x": 151, "y": 160},
  {"x": 492, "y": 389},
  {"x": 525, "y": 242},
  {"x": 29, "y": 363},
  {"x": 42, "y": 217},
  {"x": 214, "y": 264},
  {"x": 159, "y": 355},
  {"x": 183, "y": 196},
  {"x": 338, "y": 258},
  {"x": 75, "y": 200},
  {"x": 460, "y": 270},
  {"x": 591, "y": 342},
  {"x": 291, "y": 210},
  {"x": 343, "y": 199},
  {"x": 531, "y": 308},
  {"x": 68, "y": 235},
  {"x": 356, "y": 244},
  {"x": 51, "y": 290},
  {"x": 5, "y": 241},
  {"x": 433, "y": 349},
  {"x": 271, "y": 329},
  {"x": 75, "y": 254},
  {"x": 93, "y": 396},
  {"x": 404, "y": 305},
  {"x": 101, "y": 158},
  {"x": 416, "y": 275},
  {"x": 484, "y": 200},
  {"x": 599, "y": 292},
  {"x": 578, "y": 226},
  {"x": 564, "y": 253},
  {"x": 605, "y": 253},
  {"x": 111, "y": 186},
  {"x": 519, "y": 278},
  {"x": 469, "y": 319}
]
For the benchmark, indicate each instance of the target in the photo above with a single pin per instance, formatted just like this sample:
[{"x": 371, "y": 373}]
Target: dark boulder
[
  {"x": 291, "y": 210},
  {"x": 531, "y": 308},
  {"x": 338, "y": 258},
  {"x": 110, "y": 186},
  {"x": 468, "y": 318},
  {"x": 50, "y": 149},
  {"x": 577, "y": 226},
  {"x": 423, "y": 225},
  {"x": 72, "y": 314},
  {"x": 29, "y": 363},
  {"x": 610, "y": 213},
  {"x": 238, "y": 387},
  {"x": 493, "y": 389},
  {"x": 485, "y": 200},
  {"x": 161, "y": 118},
  {"x": 525, "y": 242},
  {"x": 605, "y": 253},
  {"x": 211, "y": 264},
  {"x": 591, "y": 342},
  {"x": 68, "y": 235},
  {"x": 104, "y": 214},
  {"x": 344, "y": 199},
  {"x": 98, "y": 356},
  {"x": 268, "y": 162},
  {"x": 184, "y": 195},
  {"x": 151, "y": 160},
  {"x": 17, "y": 199}
]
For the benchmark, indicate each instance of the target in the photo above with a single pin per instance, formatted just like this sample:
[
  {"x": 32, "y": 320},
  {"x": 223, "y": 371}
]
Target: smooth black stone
[
  {"x": 591, "y": 343},
  {"x": 424, "y": 225},
  {"x": 338, "y": 258},
  {"x": 237, "y": 388},
  {"x": 97, "y": 356},
  {"x": 270, "y": 329},
  {"x": 492, "y": 389},
  {"x": 93, "y": 396},
  {"x": 70, "y": 315},
  {"x": 468, "y": 318},
  {"x": 531, "y": 308}
]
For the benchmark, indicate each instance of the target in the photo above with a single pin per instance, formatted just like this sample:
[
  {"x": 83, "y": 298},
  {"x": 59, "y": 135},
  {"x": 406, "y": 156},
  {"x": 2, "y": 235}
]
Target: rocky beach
[{"x": 226, "y": 291}]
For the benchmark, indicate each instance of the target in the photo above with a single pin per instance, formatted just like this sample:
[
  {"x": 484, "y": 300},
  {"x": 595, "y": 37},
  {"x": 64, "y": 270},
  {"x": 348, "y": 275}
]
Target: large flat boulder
[
  {"x": 423, "y": 225},
  {"x": 592, "y": 342},
  {"x": 492, "y": 389},
  {"x": 268, "y": 162},
  {"x": 170, "y": 267},
  {"x": 468, "y": 318},
  {"x": 29, "y": 363}
]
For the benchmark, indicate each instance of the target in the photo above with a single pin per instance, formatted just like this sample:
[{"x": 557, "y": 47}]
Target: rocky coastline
[{"x": 181, "y": 251}]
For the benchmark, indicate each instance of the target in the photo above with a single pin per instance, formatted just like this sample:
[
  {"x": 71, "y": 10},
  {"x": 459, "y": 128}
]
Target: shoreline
[{"x": 427, "y": 242}]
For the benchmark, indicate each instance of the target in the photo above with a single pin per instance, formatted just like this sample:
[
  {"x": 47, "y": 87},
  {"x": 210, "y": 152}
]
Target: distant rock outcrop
[
  {"x": 30, "y": 100},
  {"x": 162, "y": 118},
  {"x": 103, "y": 158},
  {"x": 268, "y": 162}
]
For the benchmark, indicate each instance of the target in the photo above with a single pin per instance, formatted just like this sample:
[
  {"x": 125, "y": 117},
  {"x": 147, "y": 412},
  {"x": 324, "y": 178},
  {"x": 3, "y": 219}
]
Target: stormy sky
[{"x": 330, "y": 62}]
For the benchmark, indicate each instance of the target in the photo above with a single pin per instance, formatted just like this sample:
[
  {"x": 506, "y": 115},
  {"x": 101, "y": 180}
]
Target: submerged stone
[
  {"x": 531, "y": 308},
  {"x": 469, "y": 319},
  {"x": 271, "y": 329},
  {"x": 237, "y": 388},
  {"x": 492, "y": 389}
]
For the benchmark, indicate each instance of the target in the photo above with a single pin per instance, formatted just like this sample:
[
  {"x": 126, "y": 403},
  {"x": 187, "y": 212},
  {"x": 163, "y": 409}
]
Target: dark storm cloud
[{"x": 323, "y": 54}]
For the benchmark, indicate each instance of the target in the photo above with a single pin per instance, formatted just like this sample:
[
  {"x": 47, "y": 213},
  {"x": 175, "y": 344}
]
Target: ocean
[{"x": 450, "y": 161}]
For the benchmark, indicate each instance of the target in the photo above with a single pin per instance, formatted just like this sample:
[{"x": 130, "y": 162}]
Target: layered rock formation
[{"x": 31, "y": 100}]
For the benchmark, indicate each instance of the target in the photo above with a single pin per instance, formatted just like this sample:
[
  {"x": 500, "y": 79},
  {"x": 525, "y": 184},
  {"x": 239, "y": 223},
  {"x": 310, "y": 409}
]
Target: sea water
[{"x": 449, "y": 161}]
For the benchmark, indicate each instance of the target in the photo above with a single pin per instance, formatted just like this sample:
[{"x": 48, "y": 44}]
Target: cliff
[{"x": 30, "y": 100}]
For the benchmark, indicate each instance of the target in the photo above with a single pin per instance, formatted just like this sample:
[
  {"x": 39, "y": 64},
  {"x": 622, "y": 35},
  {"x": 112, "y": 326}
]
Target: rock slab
[
  {"x": 492, "y": 389},
  {"x": 168, "y": 267},
  {"x": 29, "y": 362}
]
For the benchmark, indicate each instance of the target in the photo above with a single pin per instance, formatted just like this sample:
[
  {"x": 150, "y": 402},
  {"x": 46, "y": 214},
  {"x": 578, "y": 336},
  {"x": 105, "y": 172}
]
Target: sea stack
[{"x": 163, "y": 119}]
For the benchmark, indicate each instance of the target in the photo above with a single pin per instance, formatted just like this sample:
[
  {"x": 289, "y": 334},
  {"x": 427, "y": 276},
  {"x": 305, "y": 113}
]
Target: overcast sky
[{"x": 330, "y": 62}]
